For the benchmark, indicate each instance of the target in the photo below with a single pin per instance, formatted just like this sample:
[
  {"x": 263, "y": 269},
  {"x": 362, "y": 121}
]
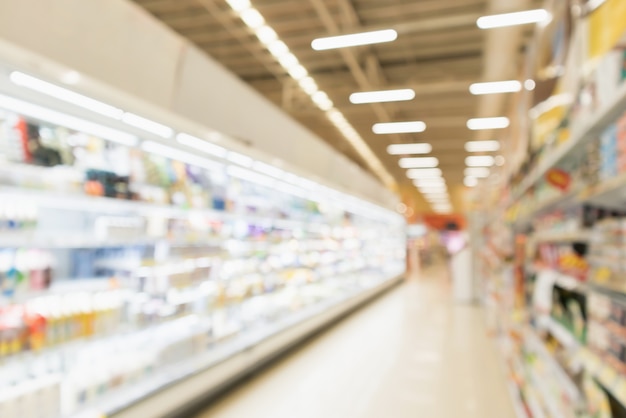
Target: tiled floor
[{"x": 412, "y": 354}]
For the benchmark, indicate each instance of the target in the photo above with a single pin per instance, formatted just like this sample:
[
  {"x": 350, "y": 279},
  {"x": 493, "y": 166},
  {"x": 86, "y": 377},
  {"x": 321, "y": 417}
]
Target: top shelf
[{"x": 586, "y": 130}]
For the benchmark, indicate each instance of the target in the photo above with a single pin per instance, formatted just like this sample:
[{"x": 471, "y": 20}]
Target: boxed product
[{"x": 608, "y": 153}]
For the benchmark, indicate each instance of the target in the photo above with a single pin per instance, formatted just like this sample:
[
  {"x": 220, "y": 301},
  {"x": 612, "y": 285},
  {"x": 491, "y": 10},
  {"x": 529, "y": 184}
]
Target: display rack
[{"x": 139, "y": 277}]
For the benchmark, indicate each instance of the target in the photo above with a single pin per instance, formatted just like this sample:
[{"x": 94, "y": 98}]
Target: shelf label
[{"x": 559, "y": 178}]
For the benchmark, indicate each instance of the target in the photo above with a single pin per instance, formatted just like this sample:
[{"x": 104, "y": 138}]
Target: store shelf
[
  {"x": 516, "y": 399},
  {"x": 105, "y": 205},
  {"x": 180, "y": 385},
  {"x": 587, "y": 130},
  {"x": 18, "y": 240},
  {"x": 548, "y": 399},
  {"x": 562, "y": 236},
  {"x": 609, "y": 194},
  {"x": 551, "y": 204},
  {"x": 565, "y": 381},
  {"x": 562, "y": 335},
  {"x": 605, "y": 375}
]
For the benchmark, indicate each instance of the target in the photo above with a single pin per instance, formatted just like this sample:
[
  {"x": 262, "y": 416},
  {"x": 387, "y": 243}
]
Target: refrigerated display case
[{"x": 130, "y": 266}]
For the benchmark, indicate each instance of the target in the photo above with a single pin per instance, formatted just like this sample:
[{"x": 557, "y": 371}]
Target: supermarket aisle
[{"x": 409, "y": 354}]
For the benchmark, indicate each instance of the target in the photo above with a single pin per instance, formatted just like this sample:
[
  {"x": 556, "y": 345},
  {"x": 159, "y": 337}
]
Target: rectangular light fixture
[
  {"x": 470, "y": 181},
  {"x": 355, "y": 39},
  {"x": 308, "y": 85},
  {"x": 478, "y": 172},
  {"x": 431, "y": 189},
  {"x": 178, "y": 155},
  {"x": 252, "y": 18},
  {"x": 201, "y": 145},
  {"x": 482, "y": 146},
  {"x": 401, "y": 149},
  {"x": 496, "y": 87},
  {"x": 266, "y": 35},
  {"x": 68, "y": 96},
  {"x": 382, "y": 96},
  {"x": 480, "y": 161},
  {"x": 239, "y": 5},
  {"x": 488, "y": 123},
  {"x": 56, "y": 118},
  {"x": 513, "y": 19},
  {"x": 419, "y": 162},
  {"x": 423, "y": 173},
  {"x": 322, "y": 100},
  {"x": 399, "y": 127},
  {"x": 429, "y": 181},
  {"x": 148, "y": 125},
  {"x": 242, "y": 160}
]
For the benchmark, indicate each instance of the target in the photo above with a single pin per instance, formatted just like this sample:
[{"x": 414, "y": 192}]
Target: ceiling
[{"x": 439, "y": 53}]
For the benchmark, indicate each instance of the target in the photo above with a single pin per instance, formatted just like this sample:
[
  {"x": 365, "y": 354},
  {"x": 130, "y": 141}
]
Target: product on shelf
[{"x": 118, "y": 265}]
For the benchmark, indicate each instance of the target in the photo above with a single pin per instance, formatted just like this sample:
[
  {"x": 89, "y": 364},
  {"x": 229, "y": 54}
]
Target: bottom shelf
[{"x": 180, "y": 387}]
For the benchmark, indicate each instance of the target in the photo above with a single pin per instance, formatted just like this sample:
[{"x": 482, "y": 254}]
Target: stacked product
[{"x": 124, "y": 268}]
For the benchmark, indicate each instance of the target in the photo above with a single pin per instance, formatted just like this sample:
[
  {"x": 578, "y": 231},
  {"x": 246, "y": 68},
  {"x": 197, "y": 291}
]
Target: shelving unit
[{"x": 141, "y": 269}]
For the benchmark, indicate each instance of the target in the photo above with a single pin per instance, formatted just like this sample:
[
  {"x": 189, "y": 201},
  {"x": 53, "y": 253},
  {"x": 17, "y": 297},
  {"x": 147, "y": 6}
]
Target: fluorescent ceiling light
[
  {"x": 382, "y": 96},
  {"x": 147, "y": 125},
  {"x": 399, "y": 127},
  {"x": 421, "y": 162},
  {"x": 239, "y": 5},
  {"x": 297, "y": 72},
  {"x": 470, "y": 181},
  {"x": 252, "y": 18},
  {"x": 266, "y": 35},
  {"x": 429, "y": 181},
  {"x": 513, "y": 19},
  {"x": 56, "y": 118},
  {"x": 433, "y": 189},
  {"x": 308, "y": 85},
  {"x": 422, "y": 173},
  {"x": 488, "y": 123},
  {"x": 243, "y": 160},
  {"x": 52, "y": 90},
  {"x": 178, "y": 155},
  {"x": 201, "y": 145},
  {"x": 400, "y": 149},
  {"x": 356, "y": 39},
  {"x": 278, "y": 49},
  {"x": 479, "y": 172},
  {"x": 288, "y": 61},
  {"x": 530, "y": 84},
  {"x": 322, "y": 100},
  {"x": 496, "y": 87},
  {"x": 480, "y": 161},
  {"x": 482, "y": 146}
]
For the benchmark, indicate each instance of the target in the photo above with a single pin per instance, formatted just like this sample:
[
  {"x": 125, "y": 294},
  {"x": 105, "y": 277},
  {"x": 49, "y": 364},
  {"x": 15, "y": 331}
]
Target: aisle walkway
[{"x": 410, "y": 354}]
